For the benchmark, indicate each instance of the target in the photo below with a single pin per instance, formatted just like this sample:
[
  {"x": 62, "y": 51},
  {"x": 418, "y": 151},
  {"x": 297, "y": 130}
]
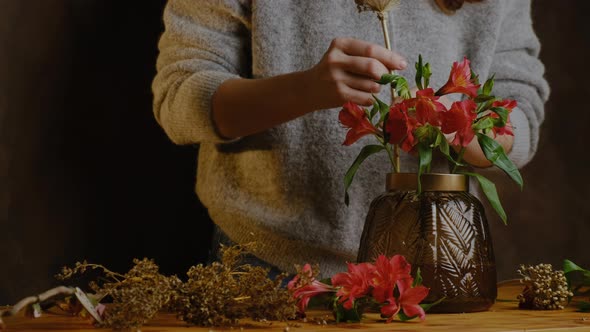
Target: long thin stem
[
  {"x": 383, "y": 19},
  {"x": 391, "y": 158},
  {"x": 459, "y": 158}
]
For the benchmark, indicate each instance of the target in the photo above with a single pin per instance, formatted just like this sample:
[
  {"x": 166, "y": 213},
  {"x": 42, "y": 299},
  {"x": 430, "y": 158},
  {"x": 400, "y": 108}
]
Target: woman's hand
[{"x": 348, "y": 71}]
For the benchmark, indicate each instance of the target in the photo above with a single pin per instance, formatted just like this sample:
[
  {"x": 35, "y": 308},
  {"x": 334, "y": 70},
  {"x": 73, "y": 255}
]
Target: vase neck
[{"x": 429, "y": 181}]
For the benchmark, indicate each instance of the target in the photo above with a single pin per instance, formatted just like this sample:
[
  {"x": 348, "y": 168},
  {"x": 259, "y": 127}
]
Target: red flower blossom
[
  {"x": 410, "y": 298},
  {"x": 354, "y": 284},
  {"x": 428, "y": 109},
  {"x": 509, "y": 105},
  {"x": 354, "y": 117},
  {"x": 459, "y": 120},
  {"x": 304, "y": 287},
  {"x": 305, "y": 293},
  {"x": 303, "y": 277},
  {"x": 387, "y": 273},
  {"x": 401, "y": 126},
  {"x": 390, "y": 309},
  {"x": 460, "y": 80}
]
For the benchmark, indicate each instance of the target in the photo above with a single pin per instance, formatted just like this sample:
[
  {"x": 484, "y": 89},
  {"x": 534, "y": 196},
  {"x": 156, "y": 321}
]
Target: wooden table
[{"x": 504, "y": 316}]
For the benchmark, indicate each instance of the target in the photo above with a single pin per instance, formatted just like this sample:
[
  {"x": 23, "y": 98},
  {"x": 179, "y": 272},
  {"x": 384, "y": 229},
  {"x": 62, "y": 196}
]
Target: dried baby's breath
[{"x": 545, "y": 289}]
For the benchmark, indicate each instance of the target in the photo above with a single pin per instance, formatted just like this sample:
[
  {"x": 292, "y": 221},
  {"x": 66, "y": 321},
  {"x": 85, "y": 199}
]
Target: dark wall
[{"x": 85, "y": 171}]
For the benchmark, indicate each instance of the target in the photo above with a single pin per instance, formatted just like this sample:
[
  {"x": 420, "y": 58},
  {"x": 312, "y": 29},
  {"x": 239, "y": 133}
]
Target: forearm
[
  {"x": 243, "y": 107},
  {"x": 346, "y": 72}
]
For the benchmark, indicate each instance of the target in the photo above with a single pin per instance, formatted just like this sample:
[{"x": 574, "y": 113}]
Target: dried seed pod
[{"x": 545, "y": 289}]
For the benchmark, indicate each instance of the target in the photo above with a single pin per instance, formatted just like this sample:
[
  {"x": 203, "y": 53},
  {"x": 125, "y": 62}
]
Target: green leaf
[
  {"x": 474, "y": 78},
  {"x": 383, "y": 108},
  {"x": 495, "y": 153},
  {"x": 397, "y": 82},
  {"x": 387, "y": 79},
  {"x": 402, "y": 88},
  {"x": 489, "y": 189},
  {"x": 485, "y": 106},
  {"x": 425, "y": 153},
  {"x": 502, "y": 114},
  {"x": 419, "y": 72},
  {"x": 343, "y": 315},
  {"x": 427, "y": 306},
  {"x": 427, "y": 72},
  {"x": 569, "y": 266},
  {"x": 484, "y": 123},
  {"x": 365, "y": 152},
  {"x": 483, "y": 98},
  {"x": 489, "y": 85},
  {"x": 418, "y": 279},
  {"x": 374, "y": 110}
]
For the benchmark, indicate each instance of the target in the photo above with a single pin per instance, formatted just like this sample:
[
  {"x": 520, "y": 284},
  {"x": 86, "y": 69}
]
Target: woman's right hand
[{"x": 348, "y": 71}]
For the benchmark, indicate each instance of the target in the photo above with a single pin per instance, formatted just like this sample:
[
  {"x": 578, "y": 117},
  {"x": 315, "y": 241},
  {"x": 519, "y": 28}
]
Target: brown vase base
[{"x": 461, "y": 306}]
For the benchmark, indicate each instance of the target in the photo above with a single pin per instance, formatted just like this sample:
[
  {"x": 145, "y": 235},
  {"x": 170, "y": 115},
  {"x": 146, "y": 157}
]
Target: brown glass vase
[{"x": 443, "y": 231}]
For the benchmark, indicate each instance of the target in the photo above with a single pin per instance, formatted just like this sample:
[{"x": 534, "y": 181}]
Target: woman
[{"x": 253, "y": 84}]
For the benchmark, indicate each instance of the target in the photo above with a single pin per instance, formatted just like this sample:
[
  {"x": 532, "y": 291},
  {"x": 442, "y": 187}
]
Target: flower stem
[
  {"x": 391, "y": 158},
  {"x": 395, "y": 160},
  {"x": 459, "y": 158}
]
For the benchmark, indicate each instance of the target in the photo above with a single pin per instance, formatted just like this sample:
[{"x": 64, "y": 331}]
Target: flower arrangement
[
  {"x": 386, "y": 284},
  {"x": 422, "y": 124}
]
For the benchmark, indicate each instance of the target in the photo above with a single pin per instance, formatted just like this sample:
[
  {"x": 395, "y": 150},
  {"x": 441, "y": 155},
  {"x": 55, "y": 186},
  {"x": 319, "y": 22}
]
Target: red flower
[
  {"x": 305, "y": 293},
  {"x": 304, "y": 287},
  {"x": 459, "y": 120},
  {"x": 303, "y": 277},
  {"x": 401, "y": 126},
  {"x": 460, "y": 80},
  {"x": 354, "y": 284},
  {"x": 354, "y": 117},
  {"x": 387, "y": 273},
  {"x": 509, "y": 105},
  {"x": 428, "y": 109},
  {"x": 390, "y": 310},
  {"x": 410, "y": 298}
]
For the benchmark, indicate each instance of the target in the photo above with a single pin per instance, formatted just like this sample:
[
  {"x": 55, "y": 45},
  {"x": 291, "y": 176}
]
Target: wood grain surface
[{"x": 504, "y": 316}]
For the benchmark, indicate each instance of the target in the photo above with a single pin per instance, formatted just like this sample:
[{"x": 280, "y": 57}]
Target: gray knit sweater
[{"x": 283, "y": 188}]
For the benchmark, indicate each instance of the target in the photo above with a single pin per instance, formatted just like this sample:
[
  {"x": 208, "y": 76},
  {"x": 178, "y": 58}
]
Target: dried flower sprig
[
  {"x": 381, "y": 7},
  {"x": 137, "y": 295},
  {"x": 223, "y": 292},
  {"x": 545, "y": 288}
]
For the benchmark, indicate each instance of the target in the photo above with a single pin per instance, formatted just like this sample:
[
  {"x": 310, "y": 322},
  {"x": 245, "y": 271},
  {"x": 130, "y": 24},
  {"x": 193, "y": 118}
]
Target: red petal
[
  {"x": 414, "y": 310},
  {"x": 390, "y": 310}
]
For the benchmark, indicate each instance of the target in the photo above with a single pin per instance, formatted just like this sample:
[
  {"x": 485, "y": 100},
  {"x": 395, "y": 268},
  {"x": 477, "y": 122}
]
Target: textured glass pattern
[{"x": 446, "y": 235}]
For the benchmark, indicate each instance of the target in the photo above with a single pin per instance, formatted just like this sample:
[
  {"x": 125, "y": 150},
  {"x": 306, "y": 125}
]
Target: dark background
[{"x": 85, "y": 171}]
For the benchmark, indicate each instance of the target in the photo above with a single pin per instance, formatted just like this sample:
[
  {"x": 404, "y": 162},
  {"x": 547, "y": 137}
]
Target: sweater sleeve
[
  {"x": 519, "y": 76},
  {"x": 204, "y": 44}
]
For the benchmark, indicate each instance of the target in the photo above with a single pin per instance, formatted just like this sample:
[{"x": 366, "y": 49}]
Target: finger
[
  {"x": 361, "y": 83},
  {"x": 356, "y": 47},
  {"x": 356, "y": 96},
  {"x": 363, "y": 66}
]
